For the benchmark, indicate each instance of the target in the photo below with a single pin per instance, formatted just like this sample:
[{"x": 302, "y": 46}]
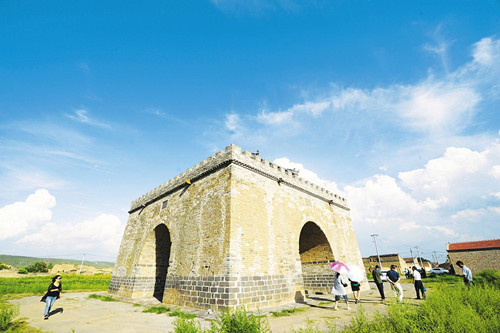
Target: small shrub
[
  {"x": 103, "y": 298},
  {"x": 7, "y": 315},
  {"x": 183, "y": 315},
  {"x": 449, "y": 308},
  {"x": 488, "y": 276},
  {"x": 38, "y": 267},
  {"x": 22, "y": 271},
  {"x": 157, "y": 309},
  {"x": 183, "y": 325},
  {"x": 287, "y": 312},
  {"x": 239, "y": 321},
  {"x": 3, "y": 266}
]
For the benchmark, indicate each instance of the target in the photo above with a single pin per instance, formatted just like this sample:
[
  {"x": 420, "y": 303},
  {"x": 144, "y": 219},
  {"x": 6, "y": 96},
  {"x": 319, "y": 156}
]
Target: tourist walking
[
  {"x": 417, "y": 281},
  {"x": 378, "y": 281},
  {"x": 53, "y": 293},
  {"x": 355, "y": 290},
  {"x": 393, "y": 278},
  {"x": 466, "y": 273},
  {"x": 338, "y": 290}
]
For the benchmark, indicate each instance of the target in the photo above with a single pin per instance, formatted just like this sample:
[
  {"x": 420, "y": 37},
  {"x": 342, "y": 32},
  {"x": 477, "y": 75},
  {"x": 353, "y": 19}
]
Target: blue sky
[{"x": 394, "y": 105}]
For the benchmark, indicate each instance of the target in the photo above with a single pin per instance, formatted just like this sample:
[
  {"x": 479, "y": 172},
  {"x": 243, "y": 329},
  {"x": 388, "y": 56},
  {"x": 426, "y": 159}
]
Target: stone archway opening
[
  {"x": 163, "y": 245},
  {"x": 315, "y": 255}
]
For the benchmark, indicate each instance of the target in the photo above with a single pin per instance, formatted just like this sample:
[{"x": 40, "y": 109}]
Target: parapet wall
[{"x": 234, "y": 155}]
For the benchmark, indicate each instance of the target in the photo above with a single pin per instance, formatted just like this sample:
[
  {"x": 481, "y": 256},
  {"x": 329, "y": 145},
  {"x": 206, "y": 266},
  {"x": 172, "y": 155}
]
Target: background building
[{"x": 478, "y": 255}]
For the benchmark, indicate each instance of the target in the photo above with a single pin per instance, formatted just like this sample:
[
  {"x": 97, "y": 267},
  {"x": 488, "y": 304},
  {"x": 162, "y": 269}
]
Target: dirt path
[{"x": 75, "y": 312}]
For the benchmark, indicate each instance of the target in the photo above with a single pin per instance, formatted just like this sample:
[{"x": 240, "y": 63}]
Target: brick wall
[
  {"x": 246, "y": 232},
  {"x": 477, "y": 260}
]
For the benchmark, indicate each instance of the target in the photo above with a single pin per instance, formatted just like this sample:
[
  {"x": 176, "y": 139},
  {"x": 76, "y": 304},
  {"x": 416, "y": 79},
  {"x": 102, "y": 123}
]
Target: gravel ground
[{"x": 75, "y": 312}]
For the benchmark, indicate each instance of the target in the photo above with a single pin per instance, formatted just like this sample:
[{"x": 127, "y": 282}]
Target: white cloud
[
  {"x": 19, "y": 217},
  {"x": 102, "y": 234},
  {"x": 308, "y": 175},
  {"x": 232, "y": 122},
  {"x": 81, "y": 116},
  {"x": 487, "y": 52},
  {"x": 275, "y": 118},
  {"x": 461, "y": 176},
  {"x": 425, "y": 206},
  {"x": 495, "y": 171},
  {"x": 438, "y": 105}
]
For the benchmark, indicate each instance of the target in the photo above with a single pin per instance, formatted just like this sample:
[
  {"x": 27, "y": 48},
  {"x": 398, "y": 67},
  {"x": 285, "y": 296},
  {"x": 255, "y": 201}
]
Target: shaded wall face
[
  {"x": 315, "y": 256},
  {"x": 162, "y": 257},
  {"x": 195, "y": 260}
]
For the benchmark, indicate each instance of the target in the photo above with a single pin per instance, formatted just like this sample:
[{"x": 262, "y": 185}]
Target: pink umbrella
[{"x": 340, "y": 267}]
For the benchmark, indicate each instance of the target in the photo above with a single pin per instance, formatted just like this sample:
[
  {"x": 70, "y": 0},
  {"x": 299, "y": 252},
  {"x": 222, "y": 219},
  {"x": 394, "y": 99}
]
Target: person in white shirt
[
  {"x": 417, "y": 281},
  {"x": 338, "y": 290},
  {"x": 467, "y": 273}
]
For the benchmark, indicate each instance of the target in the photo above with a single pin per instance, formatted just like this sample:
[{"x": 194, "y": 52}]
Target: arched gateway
[{"x": 234, "y": 230}]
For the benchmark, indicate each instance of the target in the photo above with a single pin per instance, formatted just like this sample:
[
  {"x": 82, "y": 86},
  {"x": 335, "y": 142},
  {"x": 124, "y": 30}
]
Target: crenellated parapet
[{"x": 232, "y": 155}]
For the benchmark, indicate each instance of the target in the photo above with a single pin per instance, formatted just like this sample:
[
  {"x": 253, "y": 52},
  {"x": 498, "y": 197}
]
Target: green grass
[
  {"x": 9, "y": 323},
  {"x": 157, "y": 309},
  {"x": 287, "y": 312},
  {"x": 449, "y": 308},
  {"x": 107, "y": 298},
  {"x": 226, "y": 321},
  {"x": 37, "y": 285},
  {"x": 183, "y": 325},
  {"x": 182, "y": 315}
]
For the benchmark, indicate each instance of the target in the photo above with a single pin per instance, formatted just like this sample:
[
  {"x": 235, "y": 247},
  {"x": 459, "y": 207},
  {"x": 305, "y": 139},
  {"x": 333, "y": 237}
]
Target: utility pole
[
  {"x": 81, "y": 265},
  {"x": 435, "y": 257},
  {"x": 412, "y": 258},
  {"x": 376, "y": 248},
  {"x": 419, "y": 257}
]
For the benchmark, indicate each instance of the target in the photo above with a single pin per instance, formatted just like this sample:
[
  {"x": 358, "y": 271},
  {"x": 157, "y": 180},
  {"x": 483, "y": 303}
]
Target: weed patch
[
  {"x": 103, "y": 298},
  {"x": 239, "y": 321},
  {"x": 287, "y": 312},
  {"x": 157, "y": 309},
  {"x": 183, "y": 325},
  {"x": 182, "y": 315}
]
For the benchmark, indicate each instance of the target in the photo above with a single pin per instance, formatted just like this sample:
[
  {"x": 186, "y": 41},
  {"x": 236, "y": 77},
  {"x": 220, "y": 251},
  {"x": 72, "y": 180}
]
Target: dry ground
[{"x": 75, "y": 312}]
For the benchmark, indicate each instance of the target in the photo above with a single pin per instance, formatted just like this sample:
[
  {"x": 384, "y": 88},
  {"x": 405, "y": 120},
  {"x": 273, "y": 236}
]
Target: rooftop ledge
[{"x": 233, "y": 155}]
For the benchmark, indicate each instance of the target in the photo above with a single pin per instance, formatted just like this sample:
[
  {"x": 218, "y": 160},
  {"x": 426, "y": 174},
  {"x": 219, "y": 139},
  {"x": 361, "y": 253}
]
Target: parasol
[
  {"x": 340, "y": 267},
  {"x": 355, "y": 273}
]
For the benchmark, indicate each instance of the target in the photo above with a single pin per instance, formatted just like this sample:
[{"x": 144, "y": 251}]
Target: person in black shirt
[
  {"x": 393, "y": 278},
  {"x": 377, "y": 278},
  {"x": 53, "y": 293}
]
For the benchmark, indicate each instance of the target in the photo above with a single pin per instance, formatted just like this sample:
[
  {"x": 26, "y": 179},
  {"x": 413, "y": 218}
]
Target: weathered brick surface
[
  {"x": 245, "y": 232},
  {"x": 476, "y": 260}
]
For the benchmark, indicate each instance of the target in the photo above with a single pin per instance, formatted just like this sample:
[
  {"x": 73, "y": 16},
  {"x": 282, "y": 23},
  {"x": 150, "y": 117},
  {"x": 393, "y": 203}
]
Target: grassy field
[{"x": 37, "y": 285}]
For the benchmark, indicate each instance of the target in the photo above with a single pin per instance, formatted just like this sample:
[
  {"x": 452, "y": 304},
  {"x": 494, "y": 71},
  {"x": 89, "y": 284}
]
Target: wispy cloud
[
  {"x": 81, "y": 116},
  {"x": 438, "y": 105},
  {"x": 440, "y": 48},
  {"x": 256, "y": 6},
  {"x": 101, "y": 234},
  {"x": 83, "y": 66},
  {"x": 164, "y": 115}
]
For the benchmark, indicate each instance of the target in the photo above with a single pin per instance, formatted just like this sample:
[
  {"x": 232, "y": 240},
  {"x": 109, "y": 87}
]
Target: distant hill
[{"x": 20, "y": 261}]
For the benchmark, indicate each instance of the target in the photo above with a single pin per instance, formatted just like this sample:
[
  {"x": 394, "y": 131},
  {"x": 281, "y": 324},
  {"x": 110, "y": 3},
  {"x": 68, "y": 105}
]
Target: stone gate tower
[{"x": 234, "y": 230}]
